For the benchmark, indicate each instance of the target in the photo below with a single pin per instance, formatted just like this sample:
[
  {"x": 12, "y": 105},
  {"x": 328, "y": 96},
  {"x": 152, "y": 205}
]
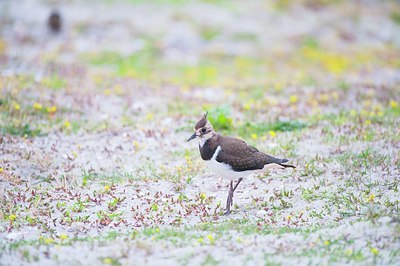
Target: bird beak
[{"x": 192, "y": 137}]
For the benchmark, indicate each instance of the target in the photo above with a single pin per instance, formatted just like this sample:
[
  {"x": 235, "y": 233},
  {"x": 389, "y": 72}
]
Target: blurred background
[{"x": 276, "y": 59}]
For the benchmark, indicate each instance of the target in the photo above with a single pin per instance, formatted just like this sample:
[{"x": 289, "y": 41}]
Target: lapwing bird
[
  {"x": 229, "y": 157},
  {"x": 54, "y": 21}
]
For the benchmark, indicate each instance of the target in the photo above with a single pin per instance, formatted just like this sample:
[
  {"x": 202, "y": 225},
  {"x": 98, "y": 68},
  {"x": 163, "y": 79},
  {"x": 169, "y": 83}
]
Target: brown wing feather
[{"x": 239, "y": 155}]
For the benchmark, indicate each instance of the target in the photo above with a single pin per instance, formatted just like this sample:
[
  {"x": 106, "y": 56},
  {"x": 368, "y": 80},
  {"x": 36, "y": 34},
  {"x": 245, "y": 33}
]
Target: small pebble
[{"x": 261, "y": 213}]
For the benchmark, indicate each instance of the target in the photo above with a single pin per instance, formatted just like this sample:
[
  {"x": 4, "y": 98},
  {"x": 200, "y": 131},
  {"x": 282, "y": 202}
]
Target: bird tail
[
  {"x": 287, "y": 165},
  {"x": 281, "y": 162}
]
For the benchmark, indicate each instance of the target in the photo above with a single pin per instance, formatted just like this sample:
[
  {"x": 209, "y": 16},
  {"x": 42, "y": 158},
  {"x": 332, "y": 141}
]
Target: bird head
[{"x": 203, "y": 129}]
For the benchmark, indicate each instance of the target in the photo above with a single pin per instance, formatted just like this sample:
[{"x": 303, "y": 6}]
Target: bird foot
[{"x": 229, "y": 203}]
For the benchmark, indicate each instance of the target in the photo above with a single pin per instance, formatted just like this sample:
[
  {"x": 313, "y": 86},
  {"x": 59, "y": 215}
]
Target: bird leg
[
  {"x": 229, "y": 200},
  {"x": 237, "y": 184}
]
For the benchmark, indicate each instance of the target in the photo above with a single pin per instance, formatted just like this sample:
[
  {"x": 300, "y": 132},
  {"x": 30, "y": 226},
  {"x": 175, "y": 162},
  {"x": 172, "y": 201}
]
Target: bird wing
[{"x": 239, "y": 155}]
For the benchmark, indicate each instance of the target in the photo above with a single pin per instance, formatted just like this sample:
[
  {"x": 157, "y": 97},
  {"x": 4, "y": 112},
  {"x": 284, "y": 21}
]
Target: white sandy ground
[{"x": 349, "y": 234}]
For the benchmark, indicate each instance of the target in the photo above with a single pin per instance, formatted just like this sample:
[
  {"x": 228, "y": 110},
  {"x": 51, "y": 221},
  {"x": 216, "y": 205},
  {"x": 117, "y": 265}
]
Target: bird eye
[{"x": 203, "y": 130}]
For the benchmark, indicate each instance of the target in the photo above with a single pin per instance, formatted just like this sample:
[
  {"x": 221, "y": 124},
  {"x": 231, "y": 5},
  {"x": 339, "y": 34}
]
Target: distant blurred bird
[{"x": 55, "y": 21}]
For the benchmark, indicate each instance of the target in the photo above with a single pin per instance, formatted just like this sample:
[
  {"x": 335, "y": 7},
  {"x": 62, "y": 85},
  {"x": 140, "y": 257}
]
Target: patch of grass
[
  {"x": 268, "y": 261},
  {"x": 116, "y": 177},
  {"x": 249, "y": 228},
  {"x": 184, "y": 108},
  {"x": 210, "y": 261},
  {"x": 313, "y": 168},
  {"x": 29, "y": 118},
  {"x": 361, "y": 162},
  {"x": 54, "y": 82},
  {"x": 311, "y": 42},
  {"x": 164, "y": 2},
  {"x": 289, "y": 148},
  {"x": 220, "y": 118},
  {"x": 24, "y": 130},
  {"x": 110, "y": 261},
  {"x": 148, "y": 64},
  {"x": 343, "y": 85},
  {"x": 337, "y": 119},
  {"x": 208, "y": 233},
  {"x": 395, "y": 16},
  {"x": 245, "y": 36},
  {"x": 276, "y": 126},
  {"x": 209, "y": 33},
  {"x": 164, "y": 234},
  {"x": 308, "y": 194}
]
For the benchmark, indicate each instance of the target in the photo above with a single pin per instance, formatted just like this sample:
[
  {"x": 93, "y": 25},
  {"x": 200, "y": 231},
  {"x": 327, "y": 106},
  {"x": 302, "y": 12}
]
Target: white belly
[{"x": 225, "y": 170}]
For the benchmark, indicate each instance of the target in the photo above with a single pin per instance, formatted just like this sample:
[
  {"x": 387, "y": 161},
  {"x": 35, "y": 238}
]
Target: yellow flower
[
  {"x": 272, "y": 133},
  {"x": 335, "y": 95},
  {"x": 12, "y": 217},
  {"x": 288, "y": 218},
  {"x": 393, "y": 104},
  {"x": 51, "y": 109},
  {"x": 254, "y": 136},
  {"x": 107, "y": 92},
  {"x": 211, "y": 239},
  {"x": 367, "y": 103},
  {"x": 377, "y": 107},
  {"x": 203, "y": 196},
  {"x": 49, "y": 240},
  {"x": 107, "y": 261},
  {"x": 189, "y": 161},
  {"x": 278, "y": 86},
  {"x": 353, "y": 112},
  {"x": 348, "y": 252},
  {"x": 371, "y": 198},
  {"x": 149, "y": 116},
  {"x": 200, "y": 240},
  {"x": 118, "y": 89},
  {"x": 367, "y": 122},
  {"x": 327, "y": 243},
  {"x": 136, "y": 144},
  {"x": 324, "y": 98},
  {"x": 63, "y": 236},
  {"x": 247, "y": 106},
  {"x": 67, "y": 124},
  {"x": 374, "y": 251},
  {"x": 17, "y": 106},
  {"x": 335, "y": 63},
  {"x": 107, "y": 188},
  {"x": 1, "y": 169},
  {"x": 37, "y": 106},
  {"x": 293, "y": 99}
]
